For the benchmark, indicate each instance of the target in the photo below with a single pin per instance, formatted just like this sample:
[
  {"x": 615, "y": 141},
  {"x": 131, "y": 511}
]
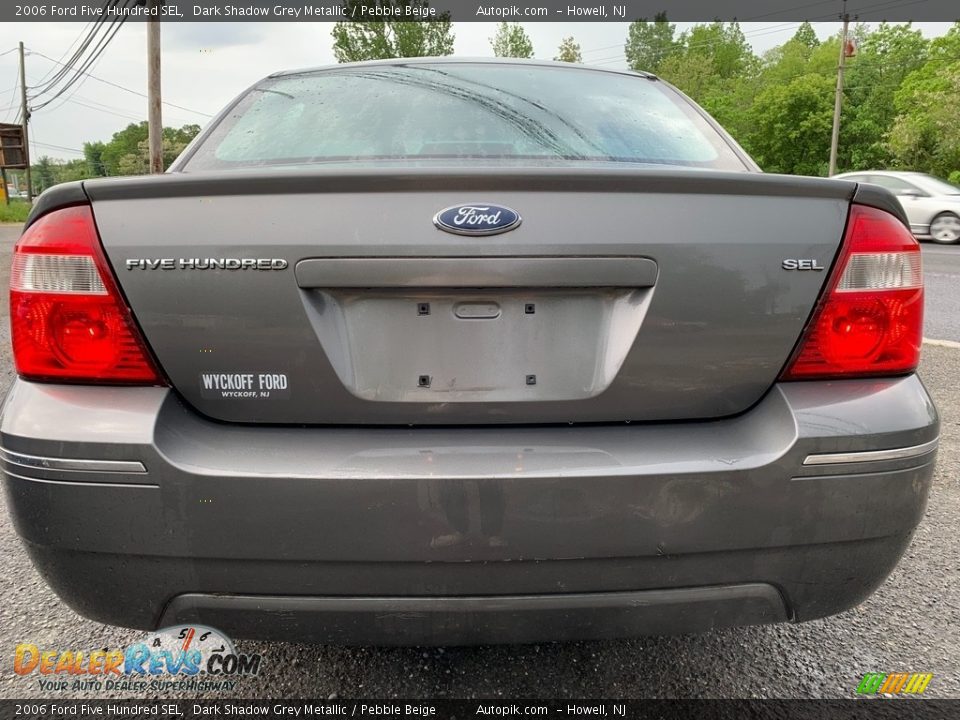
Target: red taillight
[
  {"x": 870, "y": 319},
  {"x": 68, "y": 321}
]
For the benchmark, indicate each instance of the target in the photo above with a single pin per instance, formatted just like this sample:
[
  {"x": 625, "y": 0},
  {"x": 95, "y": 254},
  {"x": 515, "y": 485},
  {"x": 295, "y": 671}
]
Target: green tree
[
  {"x": 694, "y": 74},
  {"x": 885, "y": 57},
  {"x": 48, "y": 172},
  {"x": 795, "y": 58},
  {"x": 356, "y": 40},
  {"x": 927, "y": 136},
  {"x": 790, "y": 126},
  {"x": 650, "y": 43},
  {"x": 725, "y": 45},
  {"x": 806, "y": 36},
  {"x": 126, "y": 154},
  {"x": 181, "y": 136},
  {"x": 174, "y": 141},
  {"x": 715, "y": 66},
  {"x": 705, "y": 56},
  {"x": 78, "y": 169},
  {"x": 924, "y": 135},
  {"x": 92, "y": 152},
  {"x": 43, "y": 174},
  {"x": 773, "y": 98},
  {"x": 569, "y": 51},
  {"x": 122, "y": 143},
  {"x": 511, "y": 41}
]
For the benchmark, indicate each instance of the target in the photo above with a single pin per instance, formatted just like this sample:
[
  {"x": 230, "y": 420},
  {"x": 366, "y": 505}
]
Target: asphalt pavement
[
  {"x": 911, "y": 624},
  {"x": 941, "y": 274}
]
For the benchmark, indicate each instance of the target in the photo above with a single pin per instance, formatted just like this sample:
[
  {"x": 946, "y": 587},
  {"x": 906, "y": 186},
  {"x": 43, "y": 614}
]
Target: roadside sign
[{"x": 12, "y": 156}]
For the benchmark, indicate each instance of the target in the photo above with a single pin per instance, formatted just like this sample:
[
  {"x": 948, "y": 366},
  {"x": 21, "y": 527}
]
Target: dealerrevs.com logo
[{"x": 186, "y": 657}]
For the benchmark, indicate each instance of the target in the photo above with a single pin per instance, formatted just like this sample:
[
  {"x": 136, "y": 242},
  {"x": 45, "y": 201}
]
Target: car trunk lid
[{"x": 327, "y": 295}]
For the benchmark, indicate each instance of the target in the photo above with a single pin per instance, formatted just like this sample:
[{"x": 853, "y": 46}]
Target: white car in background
[{"x": 932, "y": 205}]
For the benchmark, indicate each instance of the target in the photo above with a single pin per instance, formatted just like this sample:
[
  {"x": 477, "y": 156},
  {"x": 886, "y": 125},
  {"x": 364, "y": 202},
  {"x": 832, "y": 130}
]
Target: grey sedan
[
  {"x": 449, "y": 351},
  {"x": 932, "y": 205}
]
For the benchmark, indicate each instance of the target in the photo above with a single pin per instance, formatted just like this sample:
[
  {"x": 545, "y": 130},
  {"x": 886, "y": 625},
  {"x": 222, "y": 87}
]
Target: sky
[{"x": 205, "y": 65}]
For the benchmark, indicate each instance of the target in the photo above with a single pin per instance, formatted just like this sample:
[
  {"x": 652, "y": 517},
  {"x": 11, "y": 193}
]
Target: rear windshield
[{"x": 462, "y": 111}]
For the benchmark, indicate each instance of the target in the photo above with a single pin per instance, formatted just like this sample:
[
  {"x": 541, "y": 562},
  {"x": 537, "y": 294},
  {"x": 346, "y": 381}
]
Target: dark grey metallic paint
[
  {"x": 722, "y": 318},
  {"x": 486, "y": 511},
  {"x": 522, "y": 618}
]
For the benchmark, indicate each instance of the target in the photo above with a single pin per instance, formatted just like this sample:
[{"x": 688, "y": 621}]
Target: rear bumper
[{"x": 461, "y": 535}]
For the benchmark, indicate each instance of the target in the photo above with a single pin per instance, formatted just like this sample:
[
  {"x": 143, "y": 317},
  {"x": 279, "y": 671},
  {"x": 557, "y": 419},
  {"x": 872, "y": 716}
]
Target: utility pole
[
  {"x": 154, "y": 119},
  {"x": 25, "y": 113},
  {"x": 838, "y": 100}
]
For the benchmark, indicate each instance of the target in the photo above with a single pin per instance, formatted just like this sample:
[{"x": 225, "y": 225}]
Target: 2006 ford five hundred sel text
[{"x": 446, "y": 351}]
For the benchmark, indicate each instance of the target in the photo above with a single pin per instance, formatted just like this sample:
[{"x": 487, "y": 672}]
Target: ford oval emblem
[{"x": 477, "y": 219}]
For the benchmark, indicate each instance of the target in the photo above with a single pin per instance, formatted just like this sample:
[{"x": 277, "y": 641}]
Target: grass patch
[{"x": 15, "y": 212}]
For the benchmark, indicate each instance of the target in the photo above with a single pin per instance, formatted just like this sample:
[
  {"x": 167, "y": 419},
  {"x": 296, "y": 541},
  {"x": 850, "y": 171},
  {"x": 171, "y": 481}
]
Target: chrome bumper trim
[
  {"x": 872, "y": 455},
  {"x": 70, "y": 464},
  {"x": 85, "y": 483}
]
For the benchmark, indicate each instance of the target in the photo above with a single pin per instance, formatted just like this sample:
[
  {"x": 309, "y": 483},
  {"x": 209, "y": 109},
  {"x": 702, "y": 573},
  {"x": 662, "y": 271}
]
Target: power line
[
  {"x": 59, "y": 72},
  {"x": 79, "y": 74},
  {"x": 109, "y": 112},
  {"x": 86, "y": 102},
  {"x": 83, "y": 101},
  {"x": 95, "y": 54},
  {"x": 14, "y": 88},
  {"x": 11, "y": 107},
  {"x": 89, "y": 101},
  {"x": 86, "y": 30},
  {"x": 126, "y": 89},
  {"x": 79, "y": 85},
  {"x": 58, "y": 147}
]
